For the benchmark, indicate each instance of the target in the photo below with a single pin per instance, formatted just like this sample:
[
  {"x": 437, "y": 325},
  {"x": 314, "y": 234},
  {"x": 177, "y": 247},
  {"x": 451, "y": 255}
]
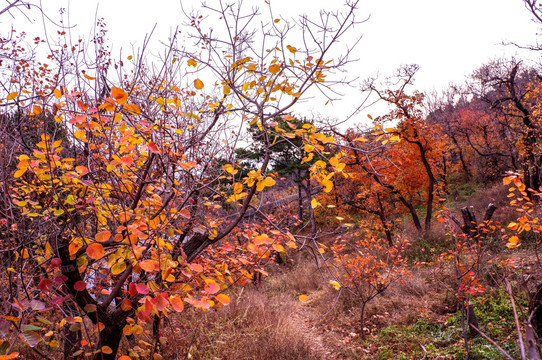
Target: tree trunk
[
  {"x": 383, "y": 220},
  {"x": 111, "y": 335},
  {"x": 300, "y": 201},
  {"x": 362, "y": 320},
  {"x": 535, "y": 306},
  {"x": 311, "y": 210}
]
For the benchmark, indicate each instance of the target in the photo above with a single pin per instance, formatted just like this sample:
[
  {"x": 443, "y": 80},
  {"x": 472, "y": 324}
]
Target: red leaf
[
  {"x": 126, "y": 160},
  {"x": 45, "y": 285},
  {"x": 80, "y": 285},
  {"x": 142, "y": 289},
  {"x": 153, "y": 148},
  {"x": 143, "y": 316},
  {"x": 56, "y": 262},
  {"x": 132, "y": 289},
  {"x": 160, "y": 302}
]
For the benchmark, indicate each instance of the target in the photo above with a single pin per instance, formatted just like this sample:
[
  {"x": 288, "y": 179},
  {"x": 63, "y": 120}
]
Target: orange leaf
[
  {"x": 82, "y": 170},
  {"x": 198, "y": 84},
  {"x": 124, "y": 217},
  {"x": 274, "y": 69},
  {"x": 148, "y": 265},
  {"x": 126, "y": 305},
  {"x": 12, "y": 95},
  {"x": 302, "y": 298},
  {"x": 223, "y": 299},
  {"x": 13, "y": 355},
  {"x": 119, "y": 95},
  {"x": 185, "y": 213},
  {"x": 262, "y": 239},
  {"x": 107, "y": 350},
  {"x": 176, "y": 303},
  {"x": 95, "y": 251},
  {"x": 103, "y": 236}
]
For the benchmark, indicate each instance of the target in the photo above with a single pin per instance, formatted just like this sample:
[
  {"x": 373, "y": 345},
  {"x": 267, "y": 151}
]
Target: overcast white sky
[{"x": 448, "y": 39}]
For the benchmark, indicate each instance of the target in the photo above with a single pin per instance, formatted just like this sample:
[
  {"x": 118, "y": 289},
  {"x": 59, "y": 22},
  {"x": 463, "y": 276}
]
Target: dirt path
[{"x": 304, "y": 318}]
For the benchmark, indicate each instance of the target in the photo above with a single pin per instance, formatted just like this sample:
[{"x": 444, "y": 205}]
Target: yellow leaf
[
  {"x": 12, "y": 95},
  {"x": 303, "y": 298},
  {"x": 237, "y": 188},
  {"x": 335, "y": 284},
  {"x": 267, "y": 182},
  {"x": 19, "y": 173},
  {"x": 315, "y": 203},
  {"x": 278, "y": 248},
  {"x": 328, "y": 185},
  {"x": 198, "y": 84},
  {"x": 513, "y": 242},
  {"x": 79, "y": 134},
  {"x": 226, "y": 90},
  {"x": 118, "y": 268},
  {"x": 308, "y": 148},
  {"x": 250, "y": 68},
  {"x": 229, "y": 169}
]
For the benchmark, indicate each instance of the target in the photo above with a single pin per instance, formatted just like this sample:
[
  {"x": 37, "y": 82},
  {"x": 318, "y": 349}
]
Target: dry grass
[
  {"x": 270, "y": 323},
  {"x": 258, "y": 323}
]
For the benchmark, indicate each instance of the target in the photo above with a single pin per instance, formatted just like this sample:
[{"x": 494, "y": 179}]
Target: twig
[
  {"x": 520, "y": 337},
  {"x": 492, "y": 342}
]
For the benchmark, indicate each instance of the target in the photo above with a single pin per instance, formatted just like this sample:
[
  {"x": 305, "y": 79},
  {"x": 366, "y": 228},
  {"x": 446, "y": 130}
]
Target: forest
[{"x": 180, "y": 206}]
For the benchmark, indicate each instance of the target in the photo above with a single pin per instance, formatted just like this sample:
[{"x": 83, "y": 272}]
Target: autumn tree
[
  {"x": 120, "y": 218},
  {"x": 402, "y": 154},
  {"x": 367, "y": 266},
  {"x": 510, "y": 89}
]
